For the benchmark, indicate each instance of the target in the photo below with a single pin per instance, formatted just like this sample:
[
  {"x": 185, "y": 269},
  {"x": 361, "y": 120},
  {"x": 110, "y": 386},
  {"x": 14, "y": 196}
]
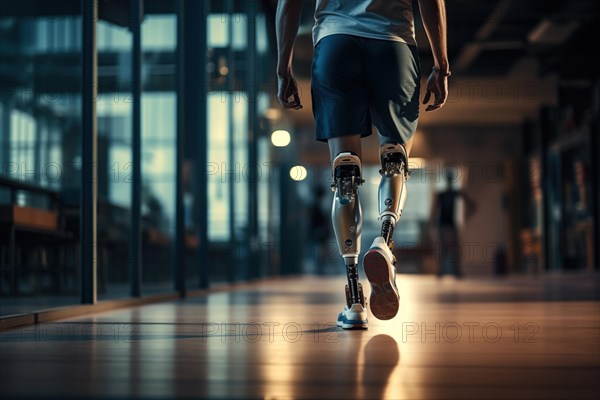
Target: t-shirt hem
[{"x": 392, "y": 38}]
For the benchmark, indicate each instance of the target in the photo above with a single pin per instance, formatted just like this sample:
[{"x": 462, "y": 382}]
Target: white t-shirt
[{"x": 376, "y": 19}]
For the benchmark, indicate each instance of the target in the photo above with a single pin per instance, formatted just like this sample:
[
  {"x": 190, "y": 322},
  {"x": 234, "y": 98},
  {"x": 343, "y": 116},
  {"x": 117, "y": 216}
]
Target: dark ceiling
[{"x": 487, "y": 37}]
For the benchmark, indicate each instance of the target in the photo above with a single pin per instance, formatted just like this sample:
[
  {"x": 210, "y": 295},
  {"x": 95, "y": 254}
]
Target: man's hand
[
  {"x": 433, "y": 15},
  {"x": 288, "y": 87},
  {"x": 286, "y": 28},
  {"x": 438, "y": 85}
]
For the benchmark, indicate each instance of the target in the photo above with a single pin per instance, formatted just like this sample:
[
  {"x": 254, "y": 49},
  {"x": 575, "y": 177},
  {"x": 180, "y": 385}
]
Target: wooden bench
[{"x": 33, "y": 228}]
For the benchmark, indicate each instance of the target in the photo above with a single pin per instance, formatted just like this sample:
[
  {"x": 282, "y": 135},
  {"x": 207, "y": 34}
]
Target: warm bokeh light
[
  {"x": 416, "y": 163},
  {"x": 272, "y": 114},
  {"x": 280, "y": 138},
  {"x": 298, "y": 173}
]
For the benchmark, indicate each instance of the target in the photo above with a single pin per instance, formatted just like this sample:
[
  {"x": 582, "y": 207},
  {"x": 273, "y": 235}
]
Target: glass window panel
[
  {"x": 264, "y": 189},
  {"x": 261, "y": 34},
  {"x": 240, "y": 33},
  {"x": 114, "y": 117},
  {"x": 218, "y": 30},
  {"x": 111, "y": 38},
  {"x": 240, "y": 137},
  {"x": 218, "y": 160},
  {"x": 40, "y": 137},
  {"x": 159, "y": 32},
  {"x": 159, "y": 130}
]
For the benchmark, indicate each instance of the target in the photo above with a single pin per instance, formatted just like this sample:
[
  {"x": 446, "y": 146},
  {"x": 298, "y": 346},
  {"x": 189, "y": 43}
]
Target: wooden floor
[{"x": 520, "y": 338}]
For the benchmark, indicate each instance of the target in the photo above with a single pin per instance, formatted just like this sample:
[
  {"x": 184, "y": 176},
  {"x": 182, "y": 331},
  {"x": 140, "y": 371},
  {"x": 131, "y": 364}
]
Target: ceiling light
[
  {"x": 298, "y": 173},
  {"x": 280, "y": 138}
]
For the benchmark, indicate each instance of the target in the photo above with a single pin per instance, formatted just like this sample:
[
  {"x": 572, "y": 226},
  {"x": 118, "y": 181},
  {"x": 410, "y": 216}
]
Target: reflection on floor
[
  {"x": 37, "y": 302},
  {"x": 471, "y": 339}
]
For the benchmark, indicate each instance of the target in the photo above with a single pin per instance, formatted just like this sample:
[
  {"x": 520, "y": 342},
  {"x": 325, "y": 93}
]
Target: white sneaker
[
  {"x": 381, "y": 273},
  {"x": 354, "y": 317}
]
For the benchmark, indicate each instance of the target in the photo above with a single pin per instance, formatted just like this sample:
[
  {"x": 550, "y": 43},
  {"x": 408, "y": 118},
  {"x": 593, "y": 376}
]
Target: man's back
[{"x": 375, "y": 19}]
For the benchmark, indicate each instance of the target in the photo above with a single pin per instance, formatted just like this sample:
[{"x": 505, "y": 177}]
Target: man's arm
[
  {"x": 287, "y": 24},
  {"x": 433, "y": 14},
  {"x": 470, "y": 205},
  {"x": 433, "y": 218}
]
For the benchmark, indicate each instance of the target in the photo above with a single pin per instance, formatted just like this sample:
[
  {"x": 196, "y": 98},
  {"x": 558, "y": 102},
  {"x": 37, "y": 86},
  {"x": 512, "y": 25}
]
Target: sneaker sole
[
  {"x": 346, "y": 326},
  {"x": 384, "y": 300}
]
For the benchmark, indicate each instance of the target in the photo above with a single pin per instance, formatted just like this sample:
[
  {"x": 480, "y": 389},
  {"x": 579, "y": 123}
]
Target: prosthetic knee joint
[
  {"x": 392, "y": 188},
  {"x": 347, "y": 219}
]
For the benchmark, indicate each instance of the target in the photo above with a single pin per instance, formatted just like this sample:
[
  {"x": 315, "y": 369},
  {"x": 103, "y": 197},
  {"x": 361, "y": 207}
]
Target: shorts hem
[{"x": 323, "y": 138}]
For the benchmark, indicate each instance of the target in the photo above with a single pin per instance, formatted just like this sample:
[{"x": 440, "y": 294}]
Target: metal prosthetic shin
[
  {"x": 346, "y": 215},
  {"x": 392, "y": 187}
]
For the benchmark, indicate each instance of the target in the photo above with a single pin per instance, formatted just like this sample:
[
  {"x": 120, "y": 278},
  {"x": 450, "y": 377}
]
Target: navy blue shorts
[{"x": 358, "y": 82}]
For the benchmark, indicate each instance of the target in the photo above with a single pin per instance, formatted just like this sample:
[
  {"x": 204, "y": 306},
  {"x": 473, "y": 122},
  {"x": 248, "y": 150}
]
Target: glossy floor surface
[{"x": 517, "y": 338}]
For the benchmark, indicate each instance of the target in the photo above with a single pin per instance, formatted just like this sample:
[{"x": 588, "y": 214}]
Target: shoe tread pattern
[{"x": 384, "y": 300}]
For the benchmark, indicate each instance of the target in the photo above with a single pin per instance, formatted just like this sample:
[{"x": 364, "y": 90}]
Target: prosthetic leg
[
  {"x": 392, "y": 188},
  {"x": 347, "y": 224},
  {"x": 379, "y": 262}
]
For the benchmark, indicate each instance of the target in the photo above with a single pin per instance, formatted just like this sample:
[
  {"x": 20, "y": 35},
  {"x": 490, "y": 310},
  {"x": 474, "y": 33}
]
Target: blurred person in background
[{"x": 443, "y": 224}]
